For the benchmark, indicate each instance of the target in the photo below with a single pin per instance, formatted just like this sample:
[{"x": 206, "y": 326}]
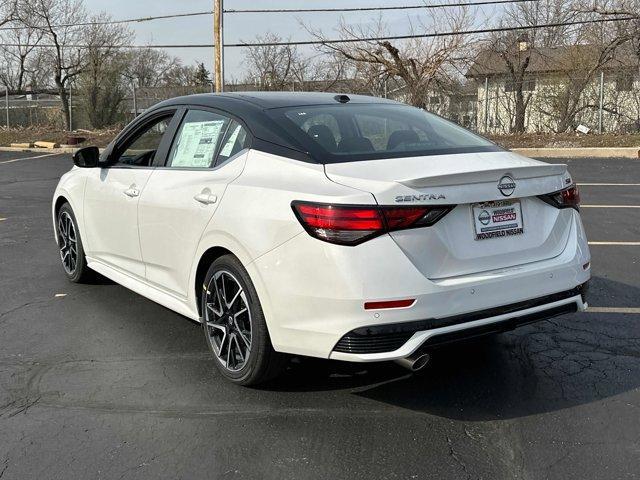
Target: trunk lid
[{"x": 450, "y": 248}]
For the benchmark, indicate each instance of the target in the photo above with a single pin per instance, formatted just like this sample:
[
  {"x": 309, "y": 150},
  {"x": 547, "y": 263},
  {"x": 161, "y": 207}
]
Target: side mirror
[{"x": 87, "y": 157}]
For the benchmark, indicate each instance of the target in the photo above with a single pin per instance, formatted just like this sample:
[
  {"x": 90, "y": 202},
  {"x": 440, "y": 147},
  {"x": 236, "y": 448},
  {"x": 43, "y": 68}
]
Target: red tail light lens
[
  {"x": 351, "y": 225},
  {"x": 339, "y": 224},
  {"x": 566, "y": 198}
]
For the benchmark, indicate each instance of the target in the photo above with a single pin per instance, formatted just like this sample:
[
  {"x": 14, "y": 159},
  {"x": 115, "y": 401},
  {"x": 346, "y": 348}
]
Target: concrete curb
[
  {"x": 42, "y": 150},
  {"x": 39, "y": 150},
  {"x": 586, "y": 152}
]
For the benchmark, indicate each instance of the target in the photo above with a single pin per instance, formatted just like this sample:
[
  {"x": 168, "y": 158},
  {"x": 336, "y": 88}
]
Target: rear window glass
[{"x": 344, "y": 132}]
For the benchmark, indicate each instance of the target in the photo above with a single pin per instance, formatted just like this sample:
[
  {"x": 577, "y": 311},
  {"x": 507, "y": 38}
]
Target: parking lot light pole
[
  {"x": 70, "y": 109},
  {"x": 486, "y": 105},
  {"x": 6, "y": 103},
  {"x": 601, "y": 102},
  {"x": 135, "y": 98}
]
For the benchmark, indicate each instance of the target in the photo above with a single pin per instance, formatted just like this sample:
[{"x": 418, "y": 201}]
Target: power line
[
  {"x": 292, "y": 10},
  {"x": 126, "y": 47},
  {"x": 117, "y": 22},
  {"x": 433, "y": 35},
  {"x": 344, "y": 40},
  {"x": 369, "y": 9}
]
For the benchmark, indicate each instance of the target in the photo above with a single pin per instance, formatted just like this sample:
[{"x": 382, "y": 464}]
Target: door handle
[
  {"x": 205, "y": 198},
  {"x": 132, "y": 192}
]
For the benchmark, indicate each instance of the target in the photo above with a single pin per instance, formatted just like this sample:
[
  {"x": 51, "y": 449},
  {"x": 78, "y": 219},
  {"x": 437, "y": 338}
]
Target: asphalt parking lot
[{"x": 98, "y": 382}]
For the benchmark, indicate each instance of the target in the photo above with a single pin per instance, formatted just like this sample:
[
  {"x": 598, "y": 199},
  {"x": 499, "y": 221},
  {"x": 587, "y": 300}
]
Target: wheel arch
[
  {"x": 57, "y": 205},
  {"x": 61, "y": 200},
  {"x": 206, "y": 259}
]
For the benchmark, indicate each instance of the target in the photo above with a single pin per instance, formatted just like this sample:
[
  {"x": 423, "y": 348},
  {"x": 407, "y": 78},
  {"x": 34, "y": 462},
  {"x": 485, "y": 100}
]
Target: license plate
[{"x": 502, "y": 218}]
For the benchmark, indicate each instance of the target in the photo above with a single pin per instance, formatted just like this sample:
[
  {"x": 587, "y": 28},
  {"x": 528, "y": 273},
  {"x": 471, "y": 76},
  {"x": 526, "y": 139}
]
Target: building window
[
  {"x": 528, "y": 85},
  {"x": 624, "y": 83}
]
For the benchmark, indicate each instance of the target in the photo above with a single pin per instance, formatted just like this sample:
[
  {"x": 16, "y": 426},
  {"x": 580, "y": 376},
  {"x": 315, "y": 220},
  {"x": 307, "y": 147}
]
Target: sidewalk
[{"x": 580, "y": 152}]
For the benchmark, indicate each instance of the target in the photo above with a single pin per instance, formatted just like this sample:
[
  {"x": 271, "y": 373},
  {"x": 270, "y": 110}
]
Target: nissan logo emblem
[
  {"x": 506, "y": 185},
  {"x": 484, "y": 217}
]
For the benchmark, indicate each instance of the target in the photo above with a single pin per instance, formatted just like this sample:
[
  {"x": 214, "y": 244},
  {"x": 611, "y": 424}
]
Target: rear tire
[
  {"x": 234, "y": 325},
  {"x": 74, "y": 262}
]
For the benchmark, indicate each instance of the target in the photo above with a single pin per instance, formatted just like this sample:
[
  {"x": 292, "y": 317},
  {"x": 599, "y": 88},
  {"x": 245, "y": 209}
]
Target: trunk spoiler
[{"x": 484, "y": 176}]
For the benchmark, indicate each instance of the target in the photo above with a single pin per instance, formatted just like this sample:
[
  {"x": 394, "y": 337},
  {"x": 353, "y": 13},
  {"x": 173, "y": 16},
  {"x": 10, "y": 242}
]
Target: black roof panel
[
  {"x": 250, "y": 107},
  {"x": 268, "y": 100}
]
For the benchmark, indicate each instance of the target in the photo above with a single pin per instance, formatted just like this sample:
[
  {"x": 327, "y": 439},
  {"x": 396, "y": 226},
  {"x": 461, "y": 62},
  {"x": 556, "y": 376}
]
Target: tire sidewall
[
  {"x": 81, "y": 263},
  {"x": 259, "y": 336}
]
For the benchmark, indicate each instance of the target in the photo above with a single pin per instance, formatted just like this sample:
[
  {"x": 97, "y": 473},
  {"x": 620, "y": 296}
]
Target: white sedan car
[{"x": 334, "y": 226}]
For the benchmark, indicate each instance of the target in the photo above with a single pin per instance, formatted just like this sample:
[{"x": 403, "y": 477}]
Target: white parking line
[
  {"x": 613, "y": 310},
  {"x": 609, "y": 184},
  {"x": 29, "y": 158},
  {"x": 616, "y": 243},
  {"x": 609, "y": 206}
]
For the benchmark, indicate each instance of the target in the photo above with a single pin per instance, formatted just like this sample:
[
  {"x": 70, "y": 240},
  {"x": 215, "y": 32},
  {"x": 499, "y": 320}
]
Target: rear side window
[
  {"x": 352, "y": 132},
  {"x": 234, "y": 141},
  {"x": 197, "y": 140}
]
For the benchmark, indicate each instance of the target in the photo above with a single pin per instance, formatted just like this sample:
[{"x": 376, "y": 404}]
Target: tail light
[
  {"x": 354, "y": 224},
  {"x": 566, "y": 198}
]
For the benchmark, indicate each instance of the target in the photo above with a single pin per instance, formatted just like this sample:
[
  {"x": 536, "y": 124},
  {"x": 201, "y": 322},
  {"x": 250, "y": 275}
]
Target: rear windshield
[{"x": 352, "y": 132}]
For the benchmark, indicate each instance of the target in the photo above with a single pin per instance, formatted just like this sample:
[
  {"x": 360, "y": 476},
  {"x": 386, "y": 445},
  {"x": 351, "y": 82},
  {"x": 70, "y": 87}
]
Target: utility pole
[{"x": 218, "y": 41}]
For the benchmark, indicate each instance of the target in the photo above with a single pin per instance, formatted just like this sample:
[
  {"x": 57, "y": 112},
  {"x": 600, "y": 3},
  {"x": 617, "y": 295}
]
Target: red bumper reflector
[{"x": 390, "y": 304}]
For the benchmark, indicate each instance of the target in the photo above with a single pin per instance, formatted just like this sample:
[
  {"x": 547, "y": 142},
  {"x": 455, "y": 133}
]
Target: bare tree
[
  {"x": 53, "y": 18},
  {"x": 417, "y": 62},
  {"x": 516, "y": 50},
  {"x": 7, "y": 11},
  {"x": 627, "y": 31},
  {"x": 272, "y": 67},
  {"x": 574, "y": 92},
  {"x": 101, "y": 82},
  {"x": 179, "y": 75},
  {"x": 17, "y": 46},
  {"x": 150, "y": 67}
]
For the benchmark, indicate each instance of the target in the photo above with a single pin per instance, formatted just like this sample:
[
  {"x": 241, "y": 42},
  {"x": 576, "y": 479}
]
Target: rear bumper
[
  {"x": 361, "y": 345},
  {"x": 313, "y": 294}
]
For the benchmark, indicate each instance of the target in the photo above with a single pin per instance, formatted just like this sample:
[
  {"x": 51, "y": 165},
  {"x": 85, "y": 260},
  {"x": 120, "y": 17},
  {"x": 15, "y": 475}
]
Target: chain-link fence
[
  {"x": 31, "y": 110},
  {"x": 605, "y": 102},
  {"x": 44, "y": 109}
]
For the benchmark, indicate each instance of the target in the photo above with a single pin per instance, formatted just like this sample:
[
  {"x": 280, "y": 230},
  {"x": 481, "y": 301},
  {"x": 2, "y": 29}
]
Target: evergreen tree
[{"x": 202, "y": 75}]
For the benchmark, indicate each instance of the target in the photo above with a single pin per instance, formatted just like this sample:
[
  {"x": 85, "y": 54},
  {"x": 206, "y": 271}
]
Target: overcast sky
[{"x": 238, "y": 27}]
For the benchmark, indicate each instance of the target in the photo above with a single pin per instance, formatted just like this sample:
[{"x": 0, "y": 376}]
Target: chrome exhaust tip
[{"x": 414, "y": 362}]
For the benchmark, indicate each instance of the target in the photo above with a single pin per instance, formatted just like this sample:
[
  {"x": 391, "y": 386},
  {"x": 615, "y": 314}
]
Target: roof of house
[{"x": 549, "y": 60}]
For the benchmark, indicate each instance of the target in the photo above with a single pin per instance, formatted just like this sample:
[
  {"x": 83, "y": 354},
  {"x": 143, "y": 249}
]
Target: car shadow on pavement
[{"x": 569, "y": 360}]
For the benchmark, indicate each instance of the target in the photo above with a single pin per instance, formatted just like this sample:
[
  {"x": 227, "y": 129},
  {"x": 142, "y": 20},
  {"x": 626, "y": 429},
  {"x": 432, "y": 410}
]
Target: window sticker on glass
[
  {"x": 231, "y": 141},
  {"x": 197, "y": 143}
]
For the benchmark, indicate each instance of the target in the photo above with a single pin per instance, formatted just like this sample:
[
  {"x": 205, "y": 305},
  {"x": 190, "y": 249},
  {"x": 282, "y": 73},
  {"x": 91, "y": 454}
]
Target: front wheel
[
  {"x": 70, "y": 247},
  {"x": 234, "y": 325}
]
